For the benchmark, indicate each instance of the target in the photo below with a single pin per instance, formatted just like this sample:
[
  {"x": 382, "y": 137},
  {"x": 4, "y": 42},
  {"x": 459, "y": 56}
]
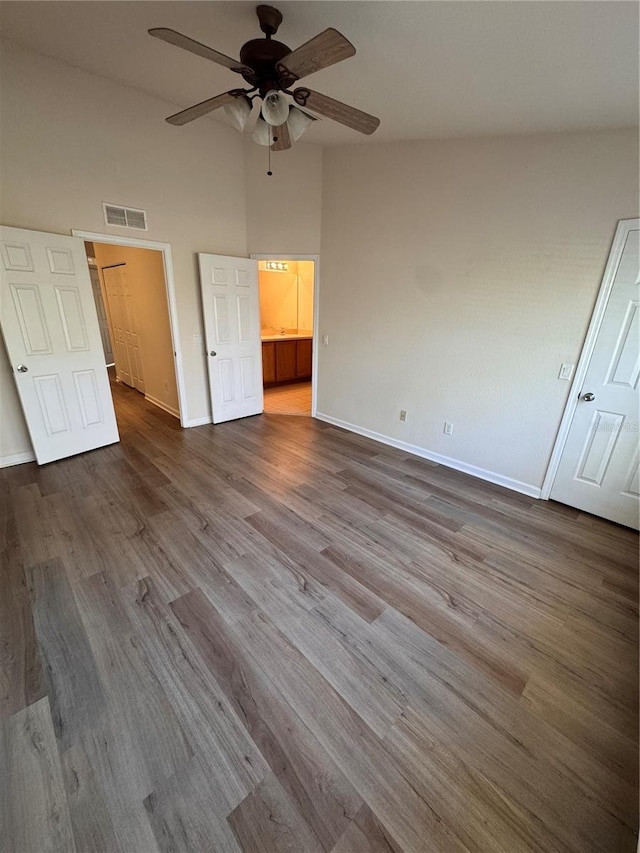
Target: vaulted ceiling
[{"x": 428, "y": 69}]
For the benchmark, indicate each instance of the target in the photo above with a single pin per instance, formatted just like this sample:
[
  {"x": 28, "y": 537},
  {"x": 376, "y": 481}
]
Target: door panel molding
[{"x": 624, "y": 227}]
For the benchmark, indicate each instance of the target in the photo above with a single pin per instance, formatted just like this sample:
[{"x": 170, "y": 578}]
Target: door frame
[
  {"x": 295, "y": 256},
  {"x": 615, "y": 254},
  {"x": 172, "y": 305}
]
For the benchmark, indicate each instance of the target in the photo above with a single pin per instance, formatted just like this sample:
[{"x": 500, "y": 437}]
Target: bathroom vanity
[{"x": 286, "y": 358}]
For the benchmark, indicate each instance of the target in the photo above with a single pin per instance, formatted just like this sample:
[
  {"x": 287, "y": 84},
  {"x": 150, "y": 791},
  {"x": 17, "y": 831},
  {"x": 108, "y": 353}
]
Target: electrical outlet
[
  {"x": 197, "y": 339},
  {"x": 403, "y": 415},
  {"x": 448, "y": 428},
  {"x": 325, "y": 340}
]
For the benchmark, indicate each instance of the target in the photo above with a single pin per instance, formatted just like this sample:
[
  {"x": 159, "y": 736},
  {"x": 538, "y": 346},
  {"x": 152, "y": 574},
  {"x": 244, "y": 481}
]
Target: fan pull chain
[{"x": 269, "y": 172}]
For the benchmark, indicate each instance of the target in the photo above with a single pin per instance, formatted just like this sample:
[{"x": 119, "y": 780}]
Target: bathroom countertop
[{"x": 291, "y": 337}]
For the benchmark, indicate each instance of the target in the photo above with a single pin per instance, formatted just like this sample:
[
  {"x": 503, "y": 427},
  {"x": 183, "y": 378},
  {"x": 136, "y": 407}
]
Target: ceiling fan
[{"x": 271, "y": 68}]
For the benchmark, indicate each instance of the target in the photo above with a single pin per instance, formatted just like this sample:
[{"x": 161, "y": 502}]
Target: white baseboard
[
  {"x": 17, "y": 459},
  {"x": 163, "y": 406},
  {"x": 199, "y": 421},
  {"x": 447, "y": 461}
]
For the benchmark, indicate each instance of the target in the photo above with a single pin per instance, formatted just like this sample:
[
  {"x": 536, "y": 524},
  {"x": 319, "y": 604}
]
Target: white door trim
[
  {"x": 295, "y": 256},
  {"x": 165, "y": 248},
  {"x": 615, "y": 254}
]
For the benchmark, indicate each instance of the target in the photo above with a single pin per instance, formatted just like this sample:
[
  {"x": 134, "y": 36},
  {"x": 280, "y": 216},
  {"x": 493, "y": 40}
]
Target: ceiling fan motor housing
[{"x": 262, "y": 55}]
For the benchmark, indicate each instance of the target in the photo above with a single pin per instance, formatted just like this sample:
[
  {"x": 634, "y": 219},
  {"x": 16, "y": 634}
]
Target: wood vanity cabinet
[
  {"x": 286, "y": 361},
  {"x": 268, "y": 363},
  {"x": 303, "y": 359}
]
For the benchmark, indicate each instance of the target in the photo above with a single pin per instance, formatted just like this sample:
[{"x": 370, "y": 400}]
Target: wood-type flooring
[{"x": 272, "y": 635}]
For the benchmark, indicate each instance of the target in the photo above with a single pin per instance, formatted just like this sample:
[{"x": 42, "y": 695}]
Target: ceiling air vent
[{"x": 125, "y": 217}]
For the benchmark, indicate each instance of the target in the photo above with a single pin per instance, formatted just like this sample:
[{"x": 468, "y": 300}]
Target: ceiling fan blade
[
  {"x": 336, "y": 110},
  {"x": 177, "y": 39},
  {"x": 201, "y": 109},
  {"x": 323, "y": 50},
  {"x": 284, "y": 138}
]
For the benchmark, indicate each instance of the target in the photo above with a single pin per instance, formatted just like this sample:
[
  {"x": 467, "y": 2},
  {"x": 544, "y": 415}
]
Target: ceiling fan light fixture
[
  {"x": 275, "y": 108},
  {"x": 262, "y": 133},
  {"x": 298, "y": 122},
  {"x": 239, "y": 111}
]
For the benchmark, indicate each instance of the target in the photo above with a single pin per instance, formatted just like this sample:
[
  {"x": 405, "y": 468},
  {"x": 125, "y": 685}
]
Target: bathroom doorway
[{"x": 288, "y": 298}]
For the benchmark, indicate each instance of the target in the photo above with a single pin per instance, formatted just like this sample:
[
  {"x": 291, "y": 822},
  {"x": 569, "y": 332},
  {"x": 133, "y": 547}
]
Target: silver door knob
[
  {"x": 588, "y": 397},
  {"x": 213, "y": 352},
  {"x": 22, "y": 368}
]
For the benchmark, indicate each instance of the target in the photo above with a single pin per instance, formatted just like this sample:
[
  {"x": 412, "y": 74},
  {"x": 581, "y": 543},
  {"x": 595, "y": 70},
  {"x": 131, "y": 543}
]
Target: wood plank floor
[{"x": 272, "y": 635}]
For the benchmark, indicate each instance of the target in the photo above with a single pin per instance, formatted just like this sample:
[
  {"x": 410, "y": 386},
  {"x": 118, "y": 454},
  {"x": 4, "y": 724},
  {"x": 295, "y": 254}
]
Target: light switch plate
[
  {"x": 566, "y": 371},
  {"x": 197, "y": 339}
]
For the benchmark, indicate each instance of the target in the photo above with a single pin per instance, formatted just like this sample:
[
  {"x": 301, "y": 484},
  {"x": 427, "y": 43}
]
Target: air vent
[{"x": 125, "y": 217}]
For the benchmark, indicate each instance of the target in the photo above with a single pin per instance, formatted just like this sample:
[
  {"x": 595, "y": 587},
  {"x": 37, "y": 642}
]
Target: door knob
[
  {"x": 588, "y": 397},
  {"x": 213, "y": 352},
  {"x": 22, "y": 368}
]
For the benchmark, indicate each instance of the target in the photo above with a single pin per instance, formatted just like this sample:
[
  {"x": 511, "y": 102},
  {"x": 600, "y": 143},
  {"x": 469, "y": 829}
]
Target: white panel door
[
  {"x": 231, "y": 308},
  {"x": 598, "y": 470},
  {"x": 50, "y": 327},
  {"x": 132, "y": 331},
  {"x": 124, "y": 324},
  {"x": 119, "y": 323}
]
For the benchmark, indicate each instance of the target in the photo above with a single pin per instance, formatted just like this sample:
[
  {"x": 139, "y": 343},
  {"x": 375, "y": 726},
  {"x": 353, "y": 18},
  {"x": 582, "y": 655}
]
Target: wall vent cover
[{"x": 125, "y": 217}]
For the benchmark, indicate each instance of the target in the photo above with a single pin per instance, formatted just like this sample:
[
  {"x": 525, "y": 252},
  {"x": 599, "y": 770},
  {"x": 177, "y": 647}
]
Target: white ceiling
[{"x": 428, "y": 69}]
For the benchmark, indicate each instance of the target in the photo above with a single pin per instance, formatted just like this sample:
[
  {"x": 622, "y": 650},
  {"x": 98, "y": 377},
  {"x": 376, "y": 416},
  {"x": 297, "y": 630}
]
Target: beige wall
[
  {"x": 456, "y": 277},
  {"x": 283, "y": 211},
  {"x": 71, "y": 140},
  {"x": 145, "y": 277}
]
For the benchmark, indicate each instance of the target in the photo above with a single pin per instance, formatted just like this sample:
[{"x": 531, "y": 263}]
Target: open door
[
  {"x": 51, "y": 331},
  {"x": 598, "y": 470},
  {"x": 231, "y": 309}
]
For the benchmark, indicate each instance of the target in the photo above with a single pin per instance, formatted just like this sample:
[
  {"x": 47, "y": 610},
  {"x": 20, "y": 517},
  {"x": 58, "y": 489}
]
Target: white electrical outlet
[
  {"x": 448, "y": 428},
  {"x": 403, "y": 415},
  {"x": 325, "y": 340},
  {"x": 197, "y": 339}
]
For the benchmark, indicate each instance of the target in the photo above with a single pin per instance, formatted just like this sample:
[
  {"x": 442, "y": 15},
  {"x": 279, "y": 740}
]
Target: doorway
[
  {"x": 131, "y": 297},
  {"x": 136, "y": 305},
  {"x": 287, "y": 288}
]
